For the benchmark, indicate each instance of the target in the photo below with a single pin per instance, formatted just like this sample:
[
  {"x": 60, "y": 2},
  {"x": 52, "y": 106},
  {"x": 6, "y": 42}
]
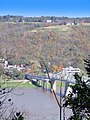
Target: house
[
  {"x": 70, "y": 69},
  {"x": 49, "y": 21},
  {"x": 6, "y": 63}
]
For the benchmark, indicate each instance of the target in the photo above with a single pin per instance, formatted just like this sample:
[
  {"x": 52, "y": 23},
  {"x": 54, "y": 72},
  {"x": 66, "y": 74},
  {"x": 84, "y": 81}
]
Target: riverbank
[
  {"x": 16, "y": 84},
  {"x": 24, "y": 84}
]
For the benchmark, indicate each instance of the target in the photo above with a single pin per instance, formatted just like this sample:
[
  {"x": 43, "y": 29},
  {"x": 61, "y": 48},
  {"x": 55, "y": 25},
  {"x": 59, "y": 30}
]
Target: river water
[{"x": 39, "y": 104}]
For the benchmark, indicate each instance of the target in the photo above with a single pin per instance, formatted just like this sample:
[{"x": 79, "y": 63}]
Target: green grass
[
  {"x": 15, "y": 85},
  {"x": 58, "y": 84}
]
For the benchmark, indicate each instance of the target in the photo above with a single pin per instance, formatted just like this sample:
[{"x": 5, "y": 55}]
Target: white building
[
  {"x": 70, "y": 69},
  {"x": 49, "y": 21},
  {"x": 6, "y": 63}
]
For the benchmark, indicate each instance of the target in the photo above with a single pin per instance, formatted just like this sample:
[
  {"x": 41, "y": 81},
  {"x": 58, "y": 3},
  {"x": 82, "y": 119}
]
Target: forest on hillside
[{"x": 25, "y": 42}]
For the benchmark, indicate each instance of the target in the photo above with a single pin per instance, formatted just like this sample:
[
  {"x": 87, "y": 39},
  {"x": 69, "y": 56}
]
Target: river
[{"x": 39, "y": 104}]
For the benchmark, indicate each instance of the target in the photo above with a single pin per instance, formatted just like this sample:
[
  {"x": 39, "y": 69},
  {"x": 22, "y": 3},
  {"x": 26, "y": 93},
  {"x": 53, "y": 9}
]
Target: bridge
[
  {"x": 52, "y": 80},
  {"x": 44, "y": 81}
]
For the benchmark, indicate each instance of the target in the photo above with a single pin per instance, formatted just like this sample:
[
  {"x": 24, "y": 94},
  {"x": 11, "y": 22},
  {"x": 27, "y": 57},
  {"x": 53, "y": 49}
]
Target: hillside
[{"x": 23, "y": 42}]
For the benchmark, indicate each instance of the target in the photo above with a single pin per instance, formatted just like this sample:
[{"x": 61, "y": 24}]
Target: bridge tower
[{"x": 53, "y": 85}]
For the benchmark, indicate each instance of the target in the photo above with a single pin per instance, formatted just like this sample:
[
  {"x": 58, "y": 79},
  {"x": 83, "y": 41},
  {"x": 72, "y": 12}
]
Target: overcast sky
[{"x": 68, "y": 8}]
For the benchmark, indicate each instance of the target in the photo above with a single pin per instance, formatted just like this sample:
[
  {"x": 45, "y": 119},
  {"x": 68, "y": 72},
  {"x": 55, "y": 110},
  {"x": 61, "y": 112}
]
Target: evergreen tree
[{"x": 79, "y": 99}]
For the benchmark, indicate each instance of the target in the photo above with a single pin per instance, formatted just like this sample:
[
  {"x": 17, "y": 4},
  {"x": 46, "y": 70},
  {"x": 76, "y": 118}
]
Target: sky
[{"x": 33, "y": 8}]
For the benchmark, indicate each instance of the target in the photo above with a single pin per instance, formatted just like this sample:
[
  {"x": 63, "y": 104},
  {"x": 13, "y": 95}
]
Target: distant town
[
  {"x": 48, "y": 19},
  {"x": 54, "y": 71}
]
